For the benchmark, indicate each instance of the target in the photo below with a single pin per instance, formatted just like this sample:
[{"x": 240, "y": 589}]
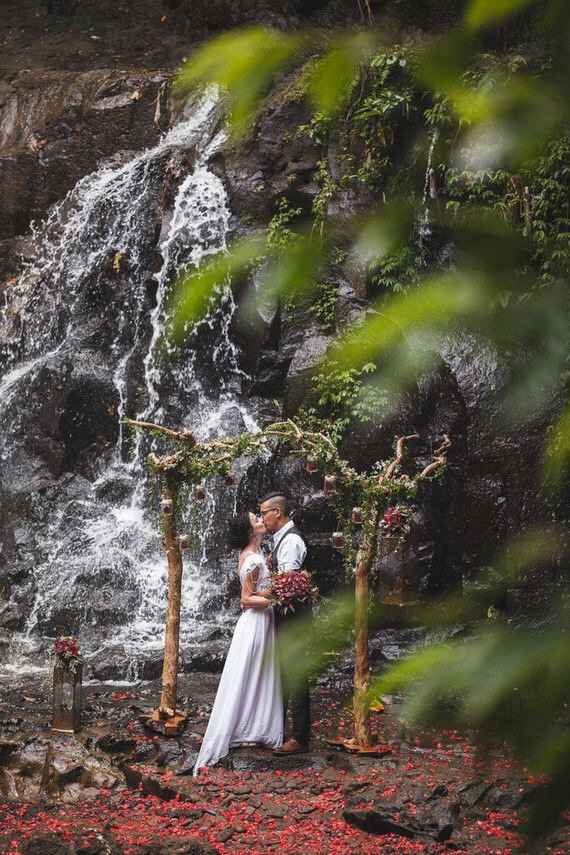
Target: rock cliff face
[{"x": 57, "y": 127}]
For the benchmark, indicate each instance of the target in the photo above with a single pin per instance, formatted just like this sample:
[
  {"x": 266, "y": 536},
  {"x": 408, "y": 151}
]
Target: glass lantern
[{"x": 67, "y": 679}]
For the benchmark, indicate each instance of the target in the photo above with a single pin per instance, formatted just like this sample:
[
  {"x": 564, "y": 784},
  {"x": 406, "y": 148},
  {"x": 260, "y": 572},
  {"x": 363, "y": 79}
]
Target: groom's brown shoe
[{"x": 292, "y": 746}]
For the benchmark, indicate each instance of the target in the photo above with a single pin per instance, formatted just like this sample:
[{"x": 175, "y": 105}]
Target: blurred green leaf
[
  {"x": 335, "y": 74},
  {"x": 381, "y": 234},
  {"x": 329, "y": 633},
  {"x": 196, "y": 293},
  {"x": 287, "y": 275},
  {"x": 507, "y": 685},
  {"x": 482, "y": 13},
  {"x": 558, "y": 450},
  {"x": 442, "y": 63},
  {"x": 243, "y": 63},
  {"x": 441, "y": 301},
  {"x": 410, "y": 670},
  {"x": 527, "y": 551}
]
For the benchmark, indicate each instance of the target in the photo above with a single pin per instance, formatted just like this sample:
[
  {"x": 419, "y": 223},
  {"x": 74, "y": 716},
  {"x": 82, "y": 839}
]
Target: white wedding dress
[{"x": 249, "y": 702}]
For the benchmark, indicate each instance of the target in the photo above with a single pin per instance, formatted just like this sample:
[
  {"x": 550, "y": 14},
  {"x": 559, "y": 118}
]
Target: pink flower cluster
[
  {"x": 67, "y": 647},
  {"x": 292, "y": 588}
]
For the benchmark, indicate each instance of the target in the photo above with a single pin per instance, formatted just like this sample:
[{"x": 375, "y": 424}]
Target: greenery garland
[{"x": 374, "y": 493}]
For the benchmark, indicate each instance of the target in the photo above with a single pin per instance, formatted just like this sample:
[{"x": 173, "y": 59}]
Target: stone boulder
[{"x": 56, "y": 126}]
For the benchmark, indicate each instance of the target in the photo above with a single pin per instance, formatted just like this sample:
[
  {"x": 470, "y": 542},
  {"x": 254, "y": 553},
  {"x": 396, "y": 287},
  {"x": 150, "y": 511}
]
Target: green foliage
[
  {"x": 394, "y": 272},
  {"x": 342, "y": 397},
  {"x": 327, "y": 190},
  {"x": 318, "y": 129},
  {"x": 279, "y": 235},
  {"x": 323, "y": 304},
  {"x": 336, "y": 73},
  {"x": 545, "y": 210}
]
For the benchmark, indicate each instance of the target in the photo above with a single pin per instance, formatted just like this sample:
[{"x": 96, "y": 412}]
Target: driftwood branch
[
  {"x": 439, "y": 458},
  {"x": 181, "y": 435},
  {"x": 400, "y": 453}
]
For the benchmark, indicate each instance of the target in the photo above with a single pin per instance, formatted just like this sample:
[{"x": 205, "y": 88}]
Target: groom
[{"x": 288, "y": 553}]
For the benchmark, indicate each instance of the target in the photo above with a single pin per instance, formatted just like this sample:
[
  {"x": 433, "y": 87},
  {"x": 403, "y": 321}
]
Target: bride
[{"x": 249, "y": 706}]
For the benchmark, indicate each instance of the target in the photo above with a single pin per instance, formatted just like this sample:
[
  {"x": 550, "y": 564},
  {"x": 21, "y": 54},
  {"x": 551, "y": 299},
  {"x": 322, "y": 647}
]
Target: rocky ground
[{"x": 116, "y": 787}]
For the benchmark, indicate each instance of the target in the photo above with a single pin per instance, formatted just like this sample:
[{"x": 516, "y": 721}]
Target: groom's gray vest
[{"x": 273, "y": 554}]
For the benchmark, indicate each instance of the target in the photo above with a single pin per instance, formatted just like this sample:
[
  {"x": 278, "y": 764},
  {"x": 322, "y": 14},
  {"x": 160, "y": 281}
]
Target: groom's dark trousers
[{"x": 295, "y": 695}]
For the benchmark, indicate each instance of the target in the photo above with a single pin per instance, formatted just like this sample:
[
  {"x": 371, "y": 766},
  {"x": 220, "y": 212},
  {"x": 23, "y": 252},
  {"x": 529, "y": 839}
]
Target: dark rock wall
[{"x": 56, "y": 127}]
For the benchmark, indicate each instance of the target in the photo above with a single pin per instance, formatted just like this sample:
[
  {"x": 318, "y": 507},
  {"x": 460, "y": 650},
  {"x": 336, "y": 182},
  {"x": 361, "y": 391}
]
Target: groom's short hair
[{"x": 280, "y": 499}]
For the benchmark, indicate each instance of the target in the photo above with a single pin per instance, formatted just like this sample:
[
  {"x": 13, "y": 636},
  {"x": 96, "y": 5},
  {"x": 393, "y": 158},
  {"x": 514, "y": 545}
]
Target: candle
[
  {"x": 329, "y": 485},
  {"x": 338, "y": 540},
  {"x": 356, "y": 516}
]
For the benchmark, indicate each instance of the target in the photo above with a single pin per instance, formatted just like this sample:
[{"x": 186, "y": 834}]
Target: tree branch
[{"x": 182, "y": 435}]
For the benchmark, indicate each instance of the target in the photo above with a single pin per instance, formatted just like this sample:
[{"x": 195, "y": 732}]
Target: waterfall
[
  {"x": 429, "y": 196},
  {"x": 100, "y": 568}
]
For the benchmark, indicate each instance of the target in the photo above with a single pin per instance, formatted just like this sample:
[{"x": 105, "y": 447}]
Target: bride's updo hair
[{"x": 240, "y": 531}]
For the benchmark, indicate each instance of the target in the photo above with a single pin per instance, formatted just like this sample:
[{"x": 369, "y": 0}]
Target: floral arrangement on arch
[
  {"x": 291, "y": 589},
  {"x": 396, "y": 520}
]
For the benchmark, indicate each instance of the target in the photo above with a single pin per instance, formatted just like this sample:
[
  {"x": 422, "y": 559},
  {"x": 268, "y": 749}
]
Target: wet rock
[
  {"x": 473, "y": 792},
  {"x": 270, "y": 374},
  {"x": 349, "y": 305},
  {"x": 305, "y": 344},
  {"x": 56, "y": 126},
  {"x": 46, "y": 844},
  {"x": 104, "y": 844},
  {"x": 169, "y": 752},
  {"x": 246, "y": 760},
  {"x": 380, "y": 818},
  {"x": 13, "y": 615},
  {"x": 116, "y": 664},
  {"x": 56, "y": 767},
  {"x": 113, "y": 743},
  {"x": 175, "y": 846},
  {"x": 210, "y": 657}
]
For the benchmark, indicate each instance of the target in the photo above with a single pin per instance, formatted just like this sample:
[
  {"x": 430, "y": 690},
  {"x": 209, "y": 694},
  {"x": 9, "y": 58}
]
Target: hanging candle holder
[
  {"x": 167, "y": 506},
  {"x": 329, "y": 485},
  {"x": 357, "y": 516},
  {"x": 183, "y": 541},
  {"x": 311, "y": 465},
  {"x": 200, "y": 492},
  {"x": 338, "y": 540}
]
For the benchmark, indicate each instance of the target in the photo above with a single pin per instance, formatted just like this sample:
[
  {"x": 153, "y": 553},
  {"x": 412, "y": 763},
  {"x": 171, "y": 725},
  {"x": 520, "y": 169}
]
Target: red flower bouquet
[{"x": 291, "y": 589}]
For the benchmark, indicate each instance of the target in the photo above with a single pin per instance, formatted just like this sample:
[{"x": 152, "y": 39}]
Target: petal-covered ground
[{"x": 434, "y": 792}]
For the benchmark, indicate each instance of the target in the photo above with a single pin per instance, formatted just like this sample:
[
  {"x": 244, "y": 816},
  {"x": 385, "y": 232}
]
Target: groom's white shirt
[{"x": 290, "y": 554}]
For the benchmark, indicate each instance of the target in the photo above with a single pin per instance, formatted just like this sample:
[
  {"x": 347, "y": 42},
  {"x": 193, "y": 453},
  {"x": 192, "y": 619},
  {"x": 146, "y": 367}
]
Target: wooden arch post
[{"x": 171, "y": 718}]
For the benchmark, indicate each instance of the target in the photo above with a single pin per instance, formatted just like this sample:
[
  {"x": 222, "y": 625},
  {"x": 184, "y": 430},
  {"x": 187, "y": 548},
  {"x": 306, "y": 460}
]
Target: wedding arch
[{"x": 365, "y": 506}]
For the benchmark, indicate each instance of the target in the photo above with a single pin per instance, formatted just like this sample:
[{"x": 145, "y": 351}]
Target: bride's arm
[{"x": 248, "y": 599}]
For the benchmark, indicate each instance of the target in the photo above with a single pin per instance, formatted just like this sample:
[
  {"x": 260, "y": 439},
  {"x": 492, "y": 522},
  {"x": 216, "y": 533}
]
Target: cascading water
[
  {"x": 429, "y": 197},
  {"x": 90, "y": 312}
]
